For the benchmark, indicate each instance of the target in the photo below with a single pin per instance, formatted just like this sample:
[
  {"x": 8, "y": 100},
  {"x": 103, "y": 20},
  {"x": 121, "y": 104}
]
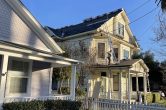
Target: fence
[
  {"x": 102, "y": 104},
  {"x": 25, "y": 99}
]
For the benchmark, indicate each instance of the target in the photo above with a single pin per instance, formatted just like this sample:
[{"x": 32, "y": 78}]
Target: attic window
[{"x": 120, "y": 29}]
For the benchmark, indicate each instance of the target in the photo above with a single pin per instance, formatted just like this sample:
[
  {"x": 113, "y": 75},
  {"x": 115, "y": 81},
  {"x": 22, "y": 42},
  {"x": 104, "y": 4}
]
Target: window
[
  {"x": 103, "y": 74},
  {"x": 116, "y": 52},
  {"x": 101, "y": 50},
  {"x": 19, "y": 76},
  {"x": 116, "y": 82},
  {"x": 120, "y": 29},
  {"x": 125, "y": 54}
]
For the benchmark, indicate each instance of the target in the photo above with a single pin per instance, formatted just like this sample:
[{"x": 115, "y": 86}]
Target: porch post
[
  {"x": 145, "y": 86},
  {"x": 3, "y": 76},
  {"x": 120, "y": 86},
  {"x": 73, "y": 82},
  {"x": 109, "y": 86},
  {"x": 137, "y": 83},
  {"x": 129, "y": 87}
]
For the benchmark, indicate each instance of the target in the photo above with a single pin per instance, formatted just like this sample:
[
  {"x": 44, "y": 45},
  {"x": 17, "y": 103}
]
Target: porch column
[
  {"x": 120, "y": 86},
  {"x": 145, "y": 86},
  {"x": 73, "y": 82},
  {"x": 3, "y": 76},
  {"x": 137, "y": 83},
  {"x": 109, "y": 86},
  {"x": 129, "y": 87}
]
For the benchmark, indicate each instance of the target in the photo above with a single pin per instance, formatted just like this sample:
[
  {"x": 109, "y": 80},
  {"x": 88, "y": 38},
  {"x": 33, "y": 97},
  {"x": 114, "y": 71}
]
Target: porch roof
[
  {"x": 34, "y": 53},
  {"x": 123, "y": 64}
]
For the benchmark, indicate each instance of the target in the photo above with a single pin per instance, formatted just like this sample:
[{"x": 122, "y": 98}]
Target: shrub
[
  {"x": 43, "y": 105},
  {"x": 64, "y": 90},
  {"x": 149, "y": 97},
  {"x": 156, "y": 97}
]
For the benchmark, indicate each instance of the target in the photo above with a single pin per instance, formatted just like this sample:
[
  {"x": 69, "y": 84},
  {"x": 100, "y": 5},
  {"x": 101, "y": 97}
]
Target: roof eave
[{"x": 26, "y": 16}]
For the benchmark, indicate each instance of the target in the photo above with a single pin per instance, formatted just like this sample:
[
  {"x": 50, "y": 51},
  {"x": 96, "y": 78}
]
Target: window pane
[
  {"x": 120, "y": 29},
  {"x": 126, "y": 54},
  {"x": 101, "y": 50},
  {"x": 115, "y": 82},
  {"x": 18, "y": 85},
  {"x": 116, "y": 52},
  {"x": 20, "y": 67}
]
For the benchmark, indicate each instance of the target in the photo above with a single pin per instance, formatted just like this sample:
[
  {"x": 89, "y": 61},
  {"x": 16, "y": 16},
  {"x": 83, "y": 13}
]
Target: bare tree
[
  {"x": 162, "y": 3},
  {"x": 160, "y": 33}
]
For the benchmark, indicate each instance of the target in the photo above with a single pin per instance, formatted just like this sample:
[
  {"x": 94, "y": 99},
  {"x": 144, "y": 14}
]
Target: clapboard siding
[
  {"x": 40, "y": 79},
  {"x": 13, "y": 29}
]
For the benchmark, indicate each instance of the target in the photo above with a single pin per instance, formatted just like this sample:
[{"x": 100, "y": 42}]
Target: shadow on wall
[{"x": 40, "y": 78}]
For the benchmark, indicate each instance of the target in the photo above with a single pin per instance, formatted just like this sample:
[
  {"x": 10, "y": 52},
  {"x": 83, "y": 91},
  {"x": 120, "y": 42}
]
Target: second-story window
[
  {"x": 120, "y": 29},
  {"x": 101, "y": 50},
  {"x": 125, "y": 54},
  {"x": 116, "y": 53}
]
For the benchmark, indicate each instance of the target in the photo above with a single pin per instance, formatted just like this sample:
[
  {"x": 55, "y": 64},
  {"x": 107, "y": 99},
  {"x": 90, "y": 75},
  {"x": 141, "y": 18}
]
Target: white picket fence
[
  {"x": 102, "y": 104},
  {"x": 26, "y": 99}
]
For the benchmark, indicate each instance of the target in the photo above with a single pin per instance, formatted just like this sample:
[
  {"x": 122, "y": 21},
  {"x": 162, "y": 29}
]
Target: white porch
[
  {"x": 38, "y": 77},
  {"x": 119, "y": 82}
]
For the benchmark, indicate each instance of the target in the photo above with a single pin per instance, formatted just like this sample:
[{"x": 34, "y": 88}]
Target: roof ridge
[{"x": 87, "y": 20}]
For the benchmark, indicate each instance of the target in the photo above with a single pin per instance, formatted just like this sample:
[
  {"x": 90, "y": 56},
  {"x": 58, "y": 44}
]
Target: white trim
[
  {"x": 50, "y": 82},
  {"x": 3, "y": 78},
  {"x": 26, "y": 16},
  {"x": 14, "y": 50},
  {"x": 37, "y": 58}
]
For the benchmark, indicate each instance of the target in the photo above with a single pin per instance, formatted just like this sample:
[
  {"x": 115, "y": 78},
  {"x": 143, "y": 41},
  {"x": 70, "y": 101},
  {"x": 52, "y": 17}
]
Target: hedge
[
  {"x": 156, "y": 97},
  {"x": 43, "y": 105}
]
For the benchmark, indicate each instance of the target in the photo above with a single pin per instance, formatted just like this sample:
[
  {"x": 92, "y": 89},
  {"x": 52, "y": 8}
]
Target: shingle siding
[{"x": 13, "y": 29}]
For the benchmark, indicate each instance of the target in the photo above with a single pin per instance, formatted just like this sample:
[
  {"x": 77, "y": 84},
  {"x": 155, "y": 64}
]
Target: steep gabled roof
[
  {"x": 32, "y": 23},
  {"x": 87, "y": 25}
]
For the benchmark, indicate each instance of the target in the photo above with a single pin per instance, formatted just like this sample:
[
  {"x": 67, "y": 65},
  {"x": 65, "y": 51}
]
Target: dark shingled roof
[{"x": 87, "y": 25}]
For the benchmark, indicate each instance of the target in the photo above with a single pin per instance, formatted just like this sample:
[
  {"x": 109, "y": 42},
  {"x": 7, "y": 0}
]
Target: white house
[{"x": 27, "y": 56}]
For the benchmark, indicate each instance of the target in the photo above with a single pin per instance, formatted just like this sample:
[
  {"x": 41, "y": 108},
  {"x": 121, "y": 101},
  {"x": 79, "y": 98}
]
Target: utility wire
[
  {"x": 143, "y": 15},
  {"x": 138, "y": 18},
  {"x": 140, "y": 6}
]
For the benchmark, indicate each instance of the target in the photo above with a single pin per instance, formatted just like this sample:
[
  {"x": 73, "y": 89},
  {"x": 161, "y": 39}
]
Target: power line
[
  {"x": 139, "y": 7},
  {"x": 138, "y": 18},
  {"x": 143, "y": 15}
]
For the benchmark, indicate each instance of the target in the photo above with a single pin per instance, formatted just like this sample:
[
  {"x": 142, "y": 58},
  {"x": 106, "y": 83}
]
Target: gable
[
  {"x": 111, "y": 26},
  {"x": 13, "y": 29}
]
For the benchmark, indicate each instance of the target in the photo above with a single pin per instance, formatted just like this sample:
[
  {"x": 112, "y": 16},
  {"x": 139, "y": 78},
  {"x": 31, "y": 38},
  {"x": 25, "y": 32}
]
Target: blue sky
[{"x": 59, "y": 13}]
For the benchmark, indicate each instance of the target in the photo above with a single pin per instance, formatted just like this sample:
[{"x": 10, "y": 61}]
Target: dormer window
[{"x": 120, "y": 29}]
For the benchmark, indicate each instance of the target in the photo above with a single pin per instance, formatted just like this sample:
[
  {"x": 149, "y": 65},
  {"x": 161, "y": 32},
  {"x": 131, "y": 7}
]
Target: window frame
[
  {"x": 104, "y": 50},
  {"x": 28, "y": 77},
  {"x": 121, "y": 29},
  {"x": 124, "y": 55},
  {"x": 117, "y": 75}
]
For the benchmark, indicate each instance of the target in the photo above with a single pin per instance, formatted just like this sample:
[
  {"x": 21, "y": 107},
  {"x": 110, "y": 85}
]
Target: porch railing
[
  {"x": 102, "y": 104},
  {"x": 26, "y": 99}
]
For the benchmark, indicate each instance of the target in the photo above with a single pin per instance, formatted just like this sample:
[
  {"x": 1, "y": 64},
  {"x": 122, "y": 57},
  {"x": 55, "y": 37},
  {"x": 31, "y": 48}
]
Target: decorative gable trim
[{"x": 27, "y": 17}]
